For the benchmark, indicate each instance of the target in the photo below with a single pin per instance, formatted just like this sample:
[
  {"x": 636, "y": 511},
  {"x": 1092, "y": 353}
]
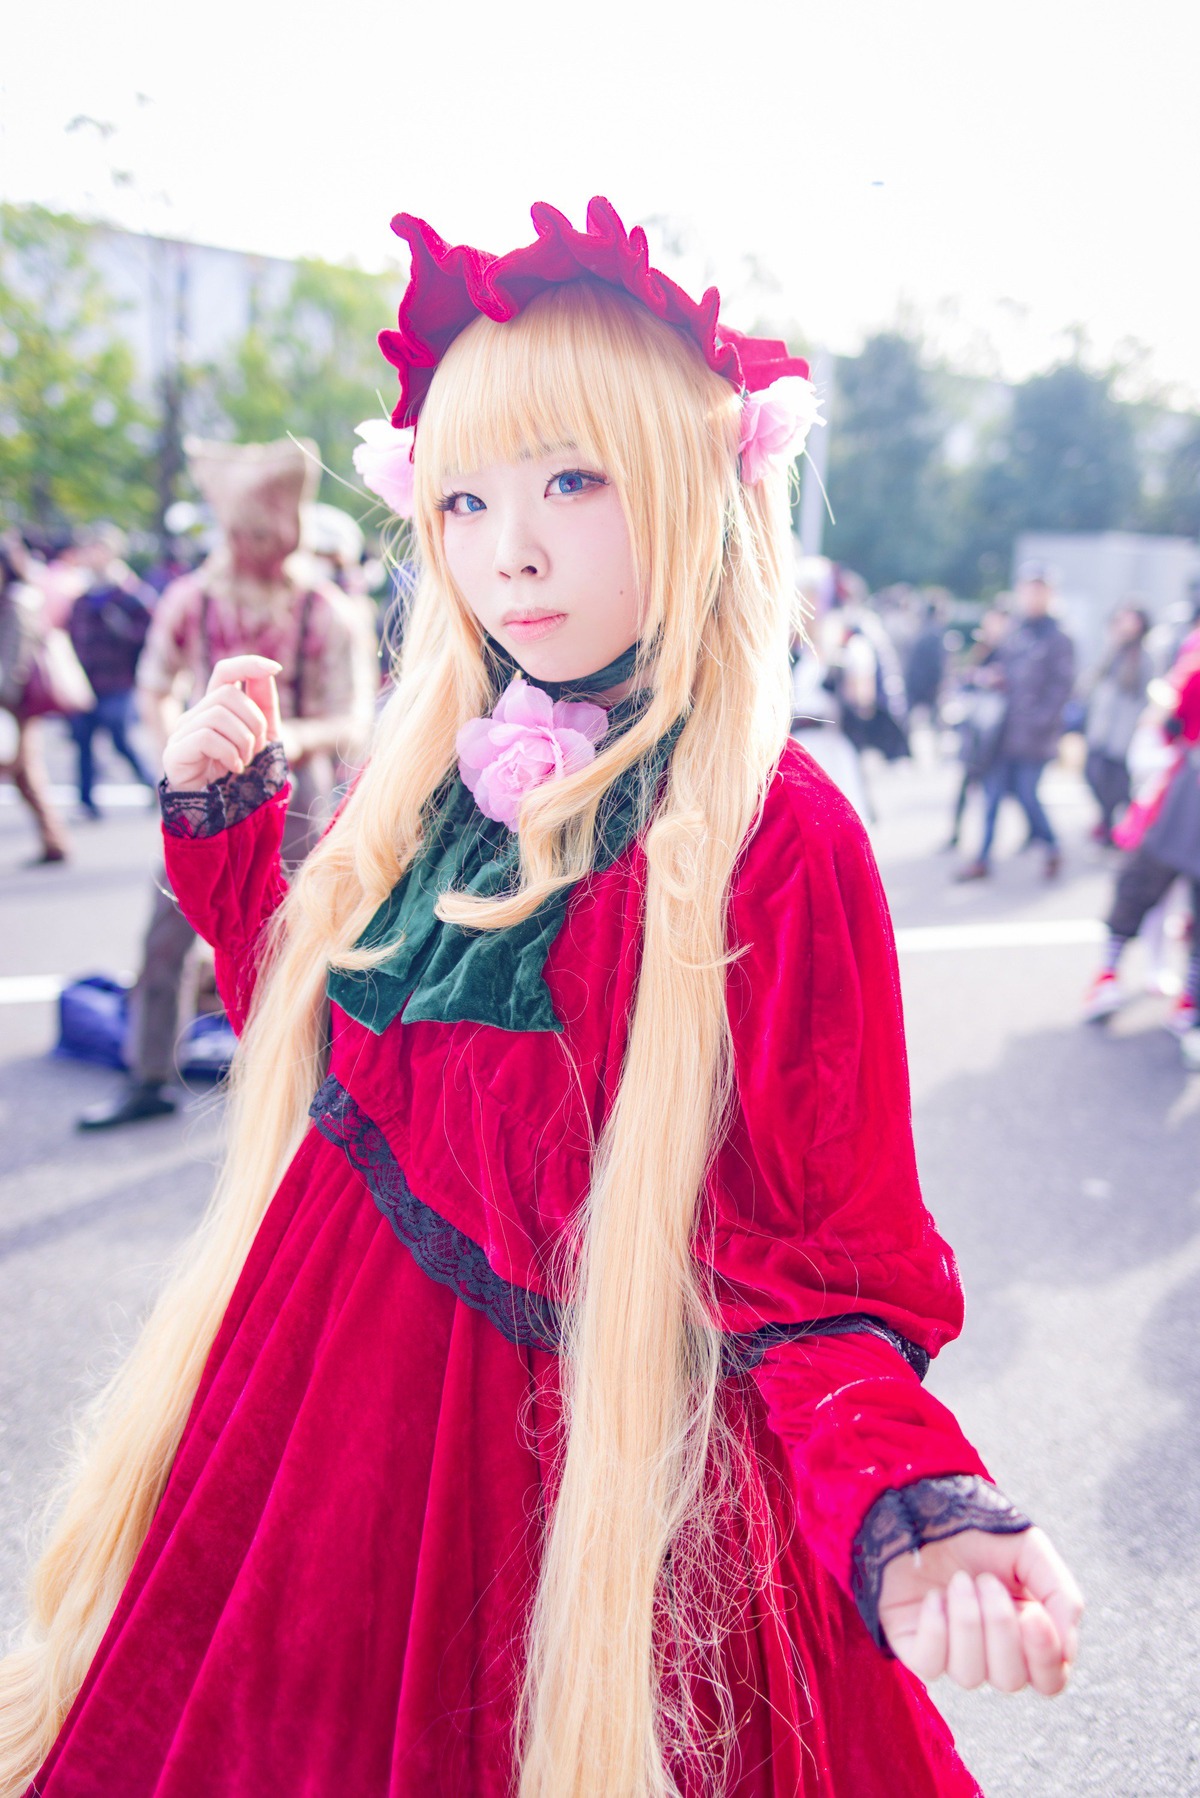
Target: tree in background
[
  {"x": 311, "y": 366},
  {"x": 1066, "y": 459},
  {"x": 1176, "y": 510},
  {"x": 74, "y": 441},
  {"x": 885, "y": 478}
]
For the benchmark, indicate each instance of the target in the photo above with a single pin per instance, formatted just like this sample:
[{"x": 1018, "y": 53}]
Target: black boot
[{"x": 141, "y": 1099}]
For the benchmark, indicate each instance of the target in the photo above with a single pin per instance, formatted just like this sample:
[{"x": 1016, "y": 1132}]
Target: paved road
[{"x": 1063, "y": 1163}]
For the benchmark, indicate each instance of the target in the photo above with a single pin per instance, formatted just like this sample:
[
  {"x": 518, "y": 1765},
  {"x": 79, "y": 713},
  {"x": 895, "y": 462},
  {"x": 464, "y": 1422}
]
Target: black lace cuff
[
  {"x": 907, "y": 1517},
  {"x": 213, "y": 809}
]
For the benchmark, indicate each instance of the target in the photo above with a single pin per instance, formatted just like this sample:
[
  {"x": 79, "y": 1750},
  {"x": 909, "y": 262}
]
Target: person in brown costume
[{"x": 256, "y": 595}]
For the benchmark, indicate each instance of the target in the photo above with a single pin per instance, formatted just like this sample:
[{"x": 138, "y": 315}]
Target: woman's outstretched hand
[
  {"x": 984, "y": 1609},
  {"x": 224, "y": 731}
]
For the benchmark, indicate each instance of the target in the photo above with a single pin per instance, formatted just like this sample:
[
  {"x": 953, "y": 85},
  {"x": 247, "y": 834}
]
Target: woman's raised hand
[
  {"x": 224, "y": 731},
  {"x": 985, "y": 1610}
]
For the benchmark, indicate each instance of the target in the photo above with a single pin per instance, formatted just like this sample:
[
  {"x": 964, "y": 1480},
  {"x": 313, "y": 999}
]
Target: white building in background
[
  {"x": 1099, "y": 570},
  {"x": 183, "y": 304}
]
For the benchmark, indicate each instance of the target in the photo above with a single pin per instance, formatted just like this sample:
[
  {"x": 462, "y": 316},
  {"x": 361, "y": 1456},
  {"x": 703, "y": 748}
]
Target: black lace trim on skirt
[
  {"x": 214, "y": 809},
  {"x": 445, "y": 1253},
  {"x": 908, "y": 1517},
  {"x": 525, "y": 1318}
]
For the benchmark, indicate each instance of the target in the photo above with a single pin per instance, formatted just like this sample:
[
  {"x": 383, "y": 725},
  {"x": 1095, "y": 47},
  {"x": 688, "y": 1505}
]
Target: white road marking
[
  {"x": 1045, "y": 933},
  {"x": 30, "y": 989},
  {"x": 1033, "y": 933}
]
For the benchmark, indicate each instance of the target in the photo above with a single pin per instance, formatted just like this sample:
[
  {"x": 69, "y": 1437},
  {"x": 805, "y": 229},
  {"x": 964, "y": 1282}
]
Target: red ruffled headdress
[{"x": 448, "y": 287}]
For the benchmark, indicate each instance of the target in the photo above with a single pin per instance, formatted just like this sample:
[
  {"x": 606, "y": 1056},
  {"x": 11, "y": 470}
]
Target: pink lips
[{"x": 528, "y": 630}]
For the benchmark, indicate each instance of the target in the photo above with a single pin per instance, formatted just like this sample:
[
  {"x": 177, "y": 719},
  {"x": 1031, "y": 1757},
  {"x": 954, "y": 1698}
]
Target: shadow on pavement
[
  {"x": 1070, "y": 1161},
  {"x": 1151, "y": 1504}
]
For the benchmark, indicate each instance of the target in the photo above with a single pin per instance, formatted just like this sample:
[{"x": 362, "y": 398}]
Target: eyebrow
[{"x": 546, "y": 450}]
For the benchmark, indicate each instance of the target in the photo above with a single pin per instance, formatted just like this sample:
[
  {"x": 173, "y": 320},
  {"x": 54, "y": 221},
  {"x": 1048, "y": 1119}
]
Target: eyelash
[{"x": 449, "y": 500}]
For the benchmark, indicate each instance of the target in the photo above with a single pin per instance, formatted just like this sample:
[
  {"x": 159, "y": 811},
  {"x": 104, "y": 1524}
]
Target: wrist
[
  {"x": 908, "y": 1519},
  {"x": 206, "y": 811}
]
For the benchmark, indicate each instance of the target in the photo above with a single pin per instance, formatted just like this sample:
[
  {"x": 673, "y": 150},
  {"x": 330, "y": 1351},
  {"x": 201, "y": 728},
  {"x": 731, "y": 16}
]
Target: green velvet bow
[{"x": 441, "y": 972}]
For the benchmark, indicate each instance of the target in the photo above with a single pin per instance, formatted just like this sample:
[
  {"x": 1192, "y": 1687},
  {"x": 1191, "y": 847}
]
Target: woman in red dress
[{"x": 539, "y": 1409}]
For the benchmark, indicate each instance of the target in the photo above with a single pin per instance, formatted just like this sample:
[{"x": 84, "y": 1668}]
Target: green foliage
[
  {"x": 73, "y": 437},
  {"x": 885, "y": 475},
  {"x": 1177, "y": 508},
  {"x": 311, "y": 365},
  {"x": 1065, "y": 460}
]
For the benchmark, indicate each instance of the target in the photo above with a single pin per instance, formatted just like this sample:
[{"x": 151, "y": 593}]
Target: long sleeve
[
  {"x": 223, "y": 862},
  {"x": 822, "y": 1245},
  {"x": 1059, "y": 678}
]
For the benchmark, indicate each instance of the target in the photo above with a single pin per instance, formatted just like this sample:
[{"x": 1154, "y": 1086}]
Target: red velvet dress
[{"x": 330, "y": 1598}]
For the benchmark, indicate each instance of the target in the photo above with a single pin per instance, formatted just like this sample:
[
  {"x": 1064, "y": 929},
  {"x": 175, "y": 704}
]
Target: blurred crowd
[
  {"x": 258, "y": 566},
  {"x": 117, "y": 655},
  {"x": 1008, "y": 695}
]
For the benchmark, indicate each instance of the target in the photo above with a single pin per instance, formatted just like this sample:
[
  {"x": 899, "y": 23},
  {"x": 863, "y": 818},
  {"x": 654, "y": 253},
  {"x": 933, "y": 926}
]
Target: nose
[{"x": 518, "y": 550}]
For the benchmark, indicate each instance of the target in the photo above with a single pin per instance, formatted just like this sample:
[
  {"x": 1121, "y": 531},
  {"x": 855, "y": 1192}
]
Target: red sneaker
[
  {"x": 1102, "y": 998},
  {"x": 1182, "y": 1017}
]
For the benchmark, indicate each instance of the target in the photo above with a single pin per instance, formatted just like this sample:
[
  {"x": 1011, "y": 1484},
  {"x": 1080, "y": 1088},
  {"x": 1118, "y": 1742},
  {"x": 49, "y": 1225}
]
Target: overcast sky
[{"x": 1001, "y": 172}]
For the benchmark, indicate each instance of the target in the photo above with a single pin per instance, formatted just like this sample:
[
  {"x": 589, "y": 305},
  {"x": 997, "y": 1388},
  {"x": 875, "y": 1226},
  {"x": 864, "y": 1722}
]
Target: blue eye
[
  {"x": 469, "y": 503},
  {"x": 574, "y": 480}
]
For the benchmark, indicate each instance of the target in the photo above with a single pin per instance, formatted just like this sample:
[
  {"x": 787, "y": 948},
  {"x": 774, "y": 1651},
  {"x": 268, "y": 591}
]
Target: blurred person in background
[
  {"x": 50, "y": 567},
  {"x": 1169, "y": 634},
  {"x": 816, "y": 718},
  {"x": 1036, "y": 665},
  {"x": 864, "y": 676},
  {"x": 1161, "y": 834},
  {"x": 22, "y": 632},
  {"x": 977, "y": 710},
  {"x": 254, "y": 595},
  {"x": 107, "y": 624},
  {"x": 925, "y": 663},
  {"x": 1116, "y": 698}
]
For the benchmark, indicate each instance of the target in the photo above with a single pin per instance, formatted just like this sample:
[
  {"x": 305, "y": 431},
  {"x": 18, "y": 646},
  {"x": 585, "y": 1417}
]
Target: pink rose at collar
[
  {"x": 528, "y": 740},
  {"x": 775, "y": 424},
  {"x": 383, "y": 460}
]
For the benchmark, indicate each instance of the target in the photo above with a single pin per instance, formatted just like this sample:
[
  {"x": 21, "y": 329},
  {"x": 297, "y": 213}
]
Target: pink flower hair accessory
[
  {"x": 528, "y": 739},
  {"x": 775, "y": 424},
  {"x": 383, "y": 461}
]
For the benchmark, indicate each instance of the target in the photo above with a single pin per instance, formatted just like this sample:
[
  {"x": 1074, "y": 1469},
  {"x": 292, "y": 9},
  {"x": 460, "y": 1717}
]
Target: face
[
  {"x": 259, "y": 549},
  {"x": 540, "y": 551},
  {"x": 1034, "y": 598},
  {"x": 993, "y": 628}
]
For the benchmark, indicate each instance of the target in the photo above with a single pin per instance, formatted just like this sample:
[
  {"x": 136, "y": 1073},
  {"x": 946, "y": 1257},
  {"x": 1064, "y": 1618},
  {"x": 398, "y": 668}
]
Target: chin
[{"x": 548, "y": 660}]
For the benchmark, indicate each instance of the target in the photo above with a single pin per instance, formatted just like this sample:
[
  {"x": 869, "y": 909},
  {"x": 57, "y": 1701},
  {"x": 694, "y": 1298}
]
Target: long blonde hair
[{"x": 617, "y": 1637}]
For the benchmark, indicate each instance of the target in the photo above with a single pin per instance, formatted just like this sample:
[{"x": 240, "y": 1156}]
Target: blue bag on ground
[
  {"x": 206, "y": 1047},
  {"x": 93, "y": 1017}
]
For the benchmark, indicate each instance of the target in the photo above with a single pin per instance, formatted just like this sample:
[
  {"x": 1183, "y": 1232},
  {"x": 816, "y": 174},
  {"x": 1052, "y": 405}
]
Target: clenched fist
[{"x": 222, "y": 734}]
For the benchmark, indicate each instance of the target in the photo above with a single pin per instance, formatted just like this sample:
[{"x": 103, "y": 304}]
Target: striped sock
[{"x": 1191, "y": 985}]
